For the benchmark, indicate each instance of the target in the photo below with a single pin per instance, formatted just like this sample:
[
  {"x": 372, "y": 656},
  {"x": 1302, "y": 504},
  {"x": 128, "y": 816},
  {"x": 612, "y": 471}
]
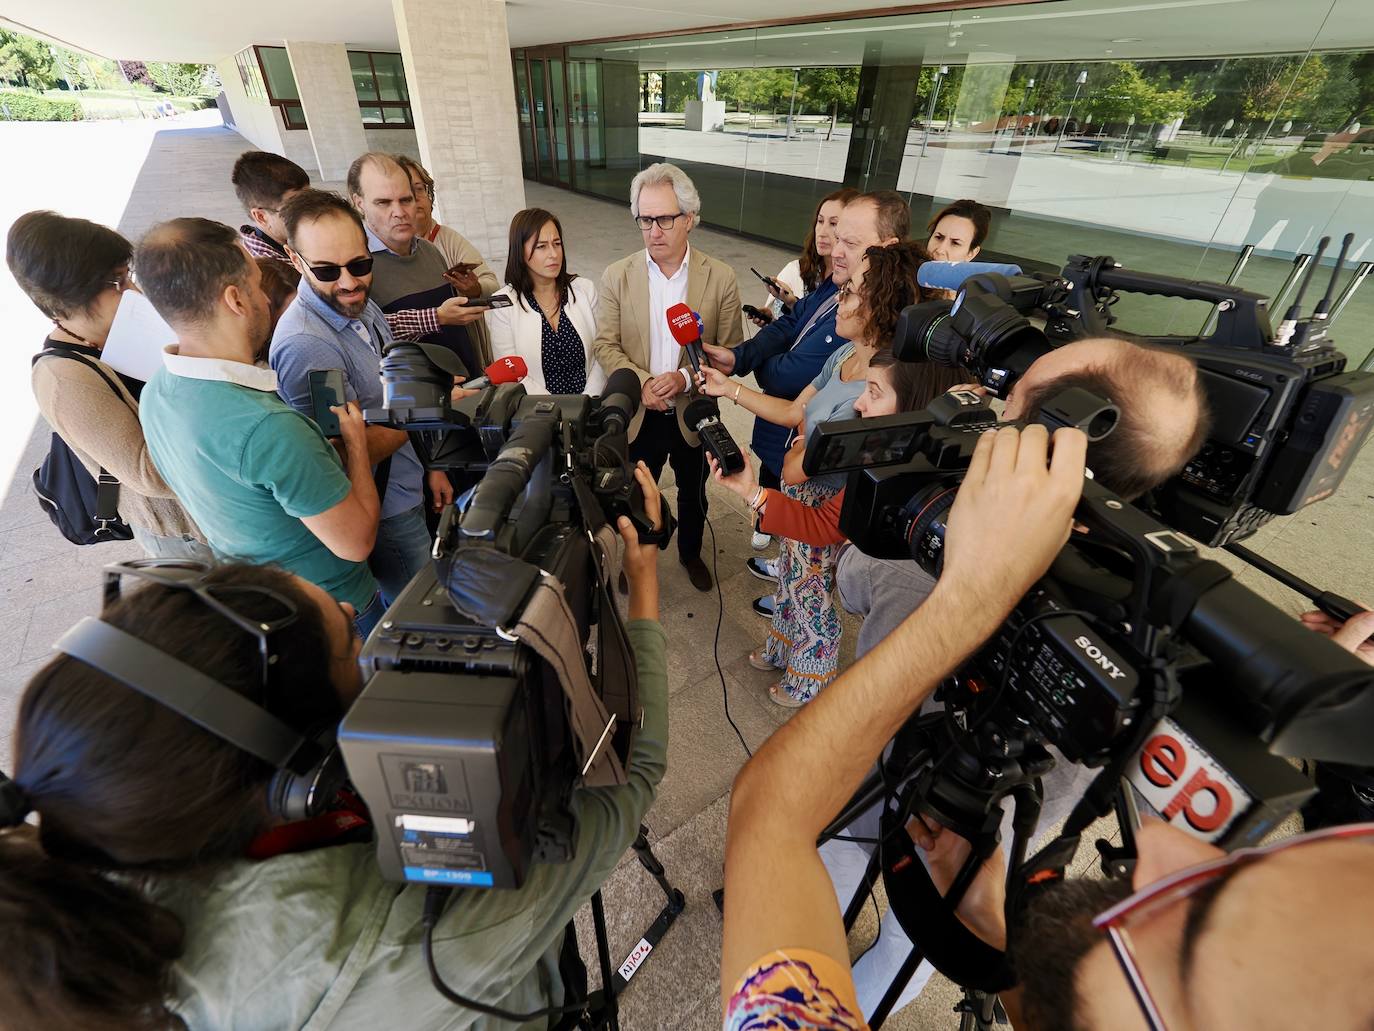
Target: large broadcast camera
[
  {"x": 1135, "y": 655},
  {"x": 502, "y": 676},
  {"x": 1287, "y": 419}
]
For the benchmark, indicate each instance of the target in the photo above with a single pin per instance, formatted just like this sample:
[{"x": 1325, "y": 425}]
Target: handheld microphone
[
  {"x": 702, "y": 414},
  {"x": 510, "y": 369},
  {"x": 682, "y": 323}
]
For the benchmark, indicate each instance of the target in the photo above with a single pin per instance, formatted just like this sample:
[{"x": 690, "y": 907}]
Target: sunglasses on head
[{"x": 330, "y": 273}]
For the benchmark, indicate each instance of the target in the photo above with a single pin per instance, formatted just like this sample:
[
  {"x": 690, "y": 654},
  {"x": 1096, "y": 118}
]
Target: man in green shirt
[{"x": 260, "y": 479}]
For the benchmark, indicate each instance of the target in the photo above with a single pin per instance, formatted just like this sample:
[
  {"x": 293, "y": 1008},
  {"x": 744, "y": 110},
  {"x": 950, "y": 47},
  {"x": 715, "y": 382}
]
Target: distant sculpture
[{"x": 706, "y": 85}]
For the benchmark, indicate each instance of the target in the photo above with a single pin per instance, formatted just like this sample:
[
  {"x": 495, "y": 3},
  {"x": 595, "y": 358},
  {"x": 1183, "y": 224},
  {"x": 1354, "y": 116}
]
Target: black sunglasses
[
  {"x": 329, "y": 273},
  {"x": 225, "y": 599}
]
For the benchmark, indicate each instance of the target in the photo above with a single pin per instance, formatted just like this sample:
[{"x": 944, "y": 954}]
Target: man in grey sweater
[{"x": 408, "y": 271}]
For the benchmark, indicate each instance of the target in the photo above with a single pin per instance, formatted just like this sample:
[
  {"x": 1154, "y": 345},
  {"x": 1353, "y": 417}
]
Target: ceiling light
[
  {"x": 1127, "y": 39},
  {"x": 1109, "y": 51}
]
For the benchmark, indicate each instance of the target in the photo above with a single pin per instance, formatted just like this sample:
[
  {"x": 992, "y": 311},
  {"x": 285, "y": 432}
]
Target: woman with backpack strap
[{"x": 74, "y": 271}]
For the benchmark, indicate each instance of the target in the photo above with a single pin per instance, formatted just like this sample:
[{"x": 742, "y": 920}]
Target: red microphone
[
  {"x": 510, "y": 369},
  {"x": 682, "y": 323}
]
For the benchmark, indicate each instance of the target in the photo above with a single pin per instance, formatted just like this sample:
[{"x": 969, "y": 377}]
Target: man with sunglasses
[
  {"x": 632, "y": 333},
  {"x": 1247, "y": 941},
  {"x": 332, "y": 324},
  {"x": 259, "y": 479}
]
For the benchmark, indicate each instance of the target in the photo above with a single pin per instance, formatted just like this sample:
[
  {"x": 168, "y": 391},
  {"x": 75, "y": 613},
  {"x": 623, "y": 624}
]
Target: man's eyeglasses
[
  {"x": 1161, "y": 1009},
  {"x": 664, "y": 222},
  {"x": 426, "y": 188},
  {"x": 228, "y": 600},
  {"x": 357, "y": 268}
]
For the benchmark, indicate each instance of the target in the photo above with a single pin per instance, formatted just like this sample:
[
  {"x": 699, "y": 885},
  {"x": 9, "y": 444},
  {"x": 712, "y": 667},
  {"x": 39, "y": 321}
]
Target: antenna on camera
[
  {"x": 1290, "y": 320},
  {"x": 1324, "y": 305}
]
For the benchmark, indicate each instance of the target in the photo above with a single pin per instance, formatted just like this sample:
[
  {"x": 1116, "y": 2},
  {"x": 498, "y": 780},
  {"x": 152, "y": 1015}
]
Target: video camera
[
  {"x": 502, "y": 676},
  {"x": 1287, "y": 420},
  {"x": 1135, "y": 654}
]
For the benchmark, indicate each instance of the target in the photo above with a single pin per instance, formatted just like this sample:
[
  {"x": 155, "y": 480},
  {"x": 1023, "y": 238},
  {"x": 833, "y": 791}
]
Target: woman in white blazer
[{"x": 552, "y": 322}]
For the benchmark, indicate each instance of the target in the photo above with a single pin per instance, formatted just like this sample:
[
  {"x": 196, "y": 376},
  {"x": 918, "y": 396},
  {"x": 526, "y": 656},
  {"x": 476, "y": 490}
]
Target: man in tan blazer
[{"x": 632, "y": 333}]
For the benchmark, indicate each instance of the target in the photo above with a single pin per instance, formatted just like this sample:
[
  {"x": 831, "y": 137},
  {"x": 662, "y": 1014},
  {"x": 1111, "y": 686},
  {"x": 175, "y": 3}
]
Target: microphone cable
[{"x": 720, "y": 606}]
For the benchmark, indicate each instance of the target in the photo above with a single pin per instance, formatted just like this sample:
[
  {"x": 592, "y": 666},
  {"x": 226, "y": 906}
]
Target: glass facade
[{"x": 1166, "y": 134}]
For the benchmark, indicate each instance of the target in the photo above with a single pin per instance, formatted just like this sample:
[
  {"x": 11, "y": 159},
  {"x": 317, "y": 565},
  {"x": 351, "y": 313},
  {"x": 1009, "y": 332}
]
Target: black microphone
[
  {"x": 702, "y": 414},
  {"x": 619, "y": 401}
]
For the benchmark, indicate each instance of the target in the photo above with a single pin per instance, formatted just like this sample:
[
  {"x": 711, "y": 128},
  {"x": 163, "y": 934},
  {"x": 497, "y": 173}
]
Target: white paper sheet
[{"x": 137, "y": 337}]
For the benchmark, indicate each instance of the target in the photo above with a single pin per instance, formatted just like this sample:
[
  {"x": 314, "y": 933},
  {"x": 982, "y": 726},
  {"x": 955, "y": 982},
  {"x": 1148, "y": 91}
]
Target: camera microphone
[
  {"x": 619, "y": 401},
  {"x": 510, "y": 369}
]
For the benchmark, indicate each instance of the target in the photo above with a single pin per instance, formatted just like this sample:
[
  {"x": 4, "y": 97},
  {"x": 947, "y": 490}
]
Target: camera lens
[
  {"x": 924, "y": 334},
  {"x": 926, "y": 516}
]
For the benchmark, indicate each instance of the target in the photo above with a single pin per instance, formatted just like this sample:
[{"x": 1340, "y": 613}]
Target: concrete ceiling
[
  {"x": 1064, "y": 29},
  {"x": 188, "y": 30}
]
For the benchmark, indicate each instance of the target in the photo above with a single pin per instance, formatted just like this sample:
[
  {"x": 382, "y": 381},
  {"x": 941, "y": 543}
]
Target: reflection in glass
[{"x": 1086, "y": 127}]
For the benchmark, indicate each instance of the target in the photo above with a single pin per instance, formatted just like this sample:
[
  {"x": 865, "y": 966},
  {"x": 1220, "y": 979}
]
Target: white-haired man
[{"x": 632, "y": 333}]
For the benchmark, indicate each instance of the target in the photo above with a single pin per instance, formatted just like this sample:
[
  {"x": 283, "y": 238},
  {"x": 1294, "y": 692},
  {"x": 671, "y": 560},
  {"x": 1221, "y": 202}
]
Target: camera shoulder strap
[{"x": 547, "y": 626}]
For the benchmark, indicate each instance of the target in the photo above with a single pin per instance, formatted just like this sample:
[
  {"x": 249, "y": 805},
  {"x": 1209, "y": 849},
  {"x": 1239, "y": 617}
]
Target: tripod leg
[
  {"x": 861, "y": 893},
  {"x": 894, "y": 989},
  {"x": 650, "y": 862},
  {"x": 609, "y": 1017}
]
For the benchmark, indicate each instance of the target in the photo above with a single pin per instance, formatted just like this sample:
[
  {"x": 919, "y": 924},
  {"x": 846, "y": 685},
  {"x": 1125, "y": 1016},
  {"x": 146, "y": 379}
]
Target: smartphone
[
  {"x": 767, "y": 280},
  {"x": 326, "y": 389},
  {"x": 490, "y": 301},
  {"x": 758, "y": 313}
]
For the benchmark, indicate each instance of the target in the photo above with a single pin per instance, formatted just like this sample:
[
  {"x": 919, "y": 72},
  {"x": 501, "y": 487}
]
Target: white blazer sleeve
[{"x": 500, "y": 323}]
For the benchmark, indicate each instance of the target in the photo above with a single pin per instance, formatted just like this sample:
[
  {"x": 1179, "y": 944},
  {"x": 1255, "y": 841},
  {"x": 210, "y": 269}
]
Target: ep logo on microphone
[{"x": 1185, "y": 785}]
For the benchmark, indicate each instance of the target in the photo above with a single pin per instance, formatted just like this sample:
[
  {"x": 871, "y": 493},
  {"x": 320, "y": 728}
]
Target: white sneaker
[{"x": 760, "y": 541}]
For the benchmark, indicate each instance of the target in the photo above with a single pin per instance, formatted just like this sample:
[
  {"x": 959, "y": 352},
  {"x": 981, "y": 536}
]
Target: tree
[
  {"x": 1123, "y": 91},
  {"x": 754, "y": 89},
  {"x": 27, "y": 61},
  {"x": 835, "y": 89},
  {"x": 180, "y": 80},
  {"x": 1279, "y": 88}
]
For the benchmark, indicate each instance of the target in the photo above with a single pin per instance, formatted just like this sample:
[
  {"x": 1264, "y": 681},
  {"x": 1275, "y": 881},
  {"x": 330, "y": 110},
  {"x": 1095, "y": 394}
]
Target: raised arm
[
  {"x": 774, "y": 409},
  {"x": 1011, "y": 517}
]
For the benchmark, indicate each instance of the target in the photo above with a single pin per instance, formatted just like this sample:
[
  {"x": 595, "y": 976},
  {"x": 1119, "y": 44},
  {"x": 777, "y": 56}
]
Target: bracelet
[
  {"x": 760, "y": 496},
  {"x": 738, "y": 388}
]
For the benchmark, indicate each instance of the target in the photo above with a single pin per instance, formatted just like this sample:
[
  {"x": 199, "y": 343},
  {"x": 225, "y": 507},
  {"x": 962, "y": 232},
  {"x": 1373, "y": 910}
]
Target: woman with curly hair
[{"x": 804, "y": 636}]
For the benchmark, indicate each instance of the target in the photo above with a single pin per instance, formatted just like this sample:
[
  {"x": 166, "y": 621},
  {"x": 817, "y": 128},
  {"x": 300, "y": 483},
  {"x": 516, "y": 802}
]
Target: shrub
[{"x": 26, "y": 107}]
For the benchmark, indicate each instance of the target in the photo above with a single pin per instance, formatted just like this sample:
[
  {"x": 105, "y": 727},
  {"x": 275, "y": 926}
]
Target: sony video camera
[
  {"x": 1133, "y": 637},
  {"x": 502, "y": 677},
  {"x": 1287, "y": 419}
]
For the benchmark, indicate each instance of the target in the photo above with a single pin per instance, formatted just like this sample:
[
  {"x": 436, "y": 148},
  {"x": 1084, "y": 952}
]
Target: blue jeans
[
  {"x": 402, "y": 549},
  {"x": 368, "y": 618}
]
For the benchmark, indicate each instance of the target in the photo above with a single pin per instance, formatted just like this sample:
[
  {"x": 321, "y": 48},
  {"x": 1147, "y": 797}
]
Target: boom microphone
[{"x": 510, "y": 369}]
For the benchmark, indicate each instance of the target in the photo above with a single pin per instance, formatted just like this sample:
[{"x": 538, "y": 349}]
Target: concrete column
[
  {"x": 458, "y": 71},
  {"x": 325, "y": 83}
]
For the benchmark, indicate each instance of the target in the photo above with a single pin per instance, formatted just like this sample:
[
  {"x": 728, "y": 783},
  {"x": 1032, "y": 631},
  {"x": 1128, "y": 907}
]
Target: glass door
[{"x": 546, "y": 88}]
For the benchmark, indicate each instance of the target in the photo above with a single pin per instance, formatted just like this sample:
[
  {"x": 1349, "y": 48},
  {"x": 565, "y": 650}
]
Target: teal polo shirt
[{"x": 248, "y": 468}]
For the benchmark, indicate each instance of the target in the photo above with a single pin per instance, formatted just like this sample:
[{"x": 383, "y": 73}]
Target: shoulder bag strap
[{"x": 106, "y": 485}]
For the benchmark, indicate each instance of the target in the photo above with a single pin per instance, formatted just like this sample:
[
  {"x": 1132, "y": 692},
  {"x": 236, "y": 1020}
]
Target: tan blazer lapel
[
  {"x": 698, "y": 281},
  {"x": 636, "y": 300}
]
